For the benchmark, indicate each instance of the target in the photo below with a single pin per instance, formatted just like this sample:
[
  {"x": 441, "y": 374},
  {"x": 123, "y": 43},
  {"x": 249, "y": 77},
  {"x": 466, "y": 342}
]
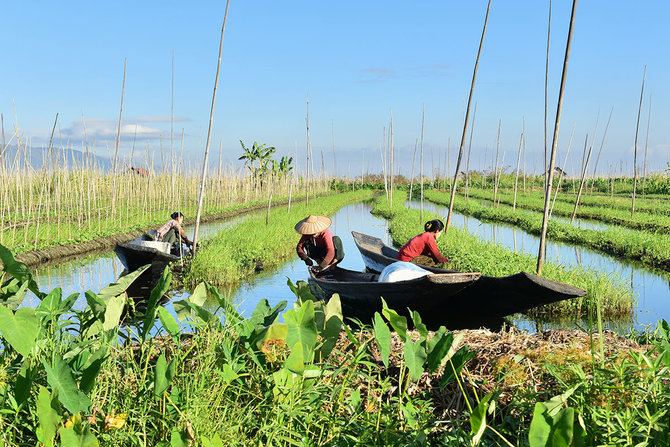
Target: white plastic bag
[{"x": 401, "y": 271}]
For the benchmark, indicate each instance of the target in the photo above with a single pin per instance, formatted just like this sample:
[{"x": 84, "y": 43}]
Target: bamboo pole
[
  {"x": 209, "y": 134},
  {"x": 581, "y": 183},
  {"x": 495, "y": 175},
  {"x": 646, "y": 141},
  {"x": 118, "y": 140},
  {"x": 546, "y": 83},
  {"x": 560, "y": 178},
  {"x": 465, "y": 124},
  {"x": 545, "y": 218},
  {"x": 467, "y": 162},
  {"x": 637, "y": 127},
  {"x": 392, "y": 154},
  {"x": 423, "y": 115},
  {"x": 602, "y": 142},
  {"x": 411, "y": 180},
  {"x": 518, "y": 162}
]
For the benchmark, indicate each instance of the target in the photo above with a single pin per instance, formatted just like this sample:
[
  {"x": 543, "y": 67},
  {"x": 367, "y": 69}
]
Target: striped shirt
[{"x": 165, "y": 228}]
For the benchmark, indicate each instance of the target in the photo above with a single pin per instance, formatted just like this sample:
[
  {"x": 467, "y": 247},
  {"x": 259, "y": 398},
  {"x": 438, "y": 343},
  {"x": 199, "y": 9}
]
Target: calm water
[{"x": 650, "y": 287}]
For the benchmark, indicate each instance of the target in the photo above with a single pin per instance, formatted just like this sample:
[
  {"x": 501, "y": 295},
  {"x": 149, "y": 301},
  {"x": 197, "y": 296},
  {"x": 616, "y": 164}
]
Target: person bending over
[
  {"x": 424, "y": 244},
  {"x": 317, "y": 243},
  {"x": 172, "y": 232}
]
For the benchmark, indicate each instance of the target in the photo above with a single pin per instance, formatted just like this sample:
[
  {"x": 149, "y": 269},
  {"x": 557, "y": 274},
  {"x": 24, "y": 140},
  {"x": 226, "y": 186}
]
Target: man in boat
[
  {"x": 424, "y": 244},
  {"x": 318, "y": 243},
  {"x": 172, "y": 232}
]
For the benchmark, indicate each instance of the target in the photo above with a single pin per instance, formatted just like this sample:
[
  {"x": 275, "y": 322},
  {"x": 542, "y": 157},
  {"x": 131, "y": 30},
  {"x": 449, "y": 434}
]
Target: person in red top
[
  {"x": 318, "y": 243},
  {"x": 424, "y": 244}
]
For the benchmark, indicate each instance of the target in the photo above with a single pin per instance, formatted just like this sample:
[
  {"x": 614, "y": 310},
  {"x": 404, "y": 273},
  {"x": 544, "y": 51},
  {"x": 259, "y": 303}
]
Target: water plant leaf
[
  {"x": 89, "y": 374},
  {"x": 50, "y": 305},
  {"x": 438, "y": 348},
  {"x": 228, "y": 373},
  {"x": 23, "y": 384},
  {"x": 301, "y": 290},
  {"x": 418, "y": 324},
  {"x": 457, "y": 362},
  {"x": 382, "y": 337},
  {"x": 113, "y": 311},
  {"x": 71, "y": 438},
  {"x": 156, "y": 294},
  {"x": 478, "y": 420},
  {"x": 18, "y": 270},
  {"x": 540, "y": 426},
  {"x": 96, "y": 304},
  {"x": 168, "y": 321},
  {"x": 13, "y": 293},
  {"x": 178, "y": 439},
  {"x": 562, "y": 432},
  {"x": 60, "y": 378},
  {"x": 334, "y": 307},
  {"x": 163, "y": 375},
  {"x": 20, "y": 329},
  {"x": 295, "y": 361},
  {"x": 214, "y": 441},
  {"x": 398, "y": 322},
  {"x": 330, "y": 335},
  {"x": 47, "y": 416},
  {"x": 302, "y": 328},
  {"x": 122, "y": 284},
  {"x": 199, "y": 294},
  {"x": 415, "y": 357}
]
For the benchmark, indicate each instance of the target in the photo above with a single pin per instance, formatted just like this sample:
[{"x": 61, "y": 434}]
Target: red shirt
[
  {"x": 423, "y": 244},
  {"x": 323, "y": 240}
]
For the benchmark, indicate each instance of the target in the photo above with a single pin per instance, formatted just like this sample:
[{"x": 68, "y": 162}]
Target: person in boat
[
  {"x": 318, "y": 243},
  {"x": 172, "y": 232},
  {"x": 424, "y": 244}
]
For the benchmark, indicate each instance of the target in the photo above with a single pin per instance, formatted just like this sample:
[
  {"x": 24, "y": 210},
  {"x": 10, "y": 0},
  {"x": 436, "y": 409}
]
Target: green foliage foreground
[{"x": 77, "y": 377}]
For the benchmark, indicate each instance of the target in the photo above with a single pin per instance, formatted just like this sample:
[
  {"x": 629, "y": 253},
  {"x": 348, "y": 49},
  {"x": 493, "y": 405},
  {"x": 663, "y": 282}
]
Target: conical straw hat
[{"x": 313, "y": 224}]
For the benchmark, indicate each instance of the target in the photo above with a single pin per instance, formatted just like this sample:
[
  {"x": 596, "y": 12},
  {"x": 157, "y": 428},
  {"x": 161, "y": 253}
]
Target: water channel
[{"x": 651, "y": 288}]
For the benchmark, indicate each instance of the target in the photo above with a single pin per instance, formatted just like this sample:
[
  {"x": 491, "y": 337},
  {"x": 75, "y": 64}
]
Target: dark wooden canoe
[
  {"x": 361, "y": 294},
  {"x": 489, "y": 296},
  {"x": 136, "y": 253}
]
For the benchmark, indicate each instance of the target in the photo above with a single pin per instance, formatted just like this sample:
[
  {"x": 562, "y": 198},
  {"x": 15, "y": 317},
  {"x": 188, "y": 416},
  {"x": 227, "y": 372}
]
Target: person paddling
[
  {"x": 424, "y": 244},
  {"x": 318, "y": 243},
  {"x": 172, "y": 232}
]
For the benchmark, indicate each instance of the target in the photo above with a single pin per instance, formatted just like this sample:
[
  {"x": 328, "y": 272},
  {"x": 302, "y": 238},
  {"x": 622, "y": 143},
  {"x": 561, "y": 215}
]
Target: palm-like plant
[{"x": 257, "y": 153}]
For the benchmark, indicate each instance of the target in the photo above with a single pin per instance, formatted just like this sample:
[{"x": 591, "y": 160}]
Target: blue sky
[{"x": 358, "y": 61}]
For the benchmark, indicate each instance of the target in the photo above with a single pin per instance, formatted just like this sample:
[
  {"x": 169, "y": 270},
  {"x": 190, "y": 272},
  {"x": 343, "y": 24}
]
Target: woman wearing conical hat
[{"x": 318, "y": 243}]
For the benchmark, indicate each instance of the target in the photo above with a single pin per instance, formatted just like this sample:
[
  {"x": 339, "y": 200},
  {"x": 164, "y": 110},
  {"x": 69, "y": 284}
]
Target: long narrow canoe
[
  {"x": 360, "y": 293},
  {"x": 488, "y": 297},
  {"x": 138, "y": 252}
]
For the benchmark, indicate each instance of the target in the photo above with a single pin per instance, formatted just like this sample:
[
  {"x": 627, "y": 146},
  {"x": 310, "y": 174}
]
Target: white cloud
[{"x": 102, "y": 130}]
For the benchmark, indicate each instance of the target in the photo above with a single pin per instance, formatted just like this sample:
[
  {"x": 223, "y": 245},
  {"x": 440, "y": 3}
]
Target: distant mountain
[{"x": 36, "y": 158}]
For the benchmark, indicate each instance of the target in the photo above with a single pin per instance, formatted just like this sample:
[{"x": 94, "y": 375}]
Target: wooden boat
[
  {"x": 360, "y": 293},
  {"x": 139, "y": 252},
  {"x": 488, "y": 297}
]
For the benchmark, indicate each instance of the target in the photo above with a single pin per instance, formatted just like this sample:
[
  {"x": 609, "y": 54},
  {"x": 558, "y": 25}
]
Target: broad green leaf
[
  {"x": 556, "y": 403},
  {"x": 302, "y": 329},
  {"x": 164, "y": 373},
  {"x": 89, "y": 375},
  {"x": 156, "y": 294},
  {"x": 330, "y": 335},
  {"x": 562, "y": 432},
  {"x": 97, "y": 305},
  {"x": 232, "y": 316},
  {"x": 118, "y": 288},
  {"x": 438, "y": 348},
  {"x": 261, "y": 311},
  {"x": 23, "y": 383},
  {"x": 478, "y": 420},
  {"x": 47, "y": 416},
  {"x": 276, "y": 331},
  {"x": 455, "y": 365},
  {"x": 70, "y": 438},
  {"x": 418, "y": 324},
  {"x": 68, "y": 302},
  {"x": 398, "y": 322},
  {"x": 168, "y": 322},
  {"x": 228, "y": 373},
  {"x": 13, "y": 294},
  {"x": 18, "y": 270},
  {"x": 20, "y": 329},
  {"x": 334, "y": 307},
  {"x": 295, "y": 361},
  {"x": 182, "y": 309},
  {"x": 383, "y": 338},
  {"x": 540, "y": 426},
  {"x": 50, "y": 305},
  {"x": 214, "y": 441},
  {"x": 415, "y": 357},
  {"x": 301, "y": 291},
  {"x": 178, "y": 439},
  {"x": 60, "y": 378},
  {"x": 199, "y": 295},
  {"x": 113, "y": 311}
]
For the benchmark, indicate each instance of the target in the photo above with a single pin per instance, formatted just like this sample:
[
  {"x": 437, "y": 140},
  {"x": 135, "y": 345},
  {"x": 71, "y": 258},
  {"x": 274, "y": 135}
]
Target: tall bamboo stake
[
  {"x": 602, "y": 142},
  {"x": 581, "y": 183},
  {"x": 201, "y": 193},
  {"x": 637, "y": 127},
  {"x": 545, "y": 218},
  {"x": 518, "y": 162},
  {"x": 392, "y": 154},
  {"x": 646, "y": 141},
  {"x": 118, "y": 139},
  {"x": 560, "y": 178},
  {"x": 467, "y": 162},
  {"x": 411, "y": 180},
  {"x": 495, "y": 175},
  {"x": 465, "y": 124},
  {"x": 423, "y": 115},
  {"x": 546, "y": 84}
]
